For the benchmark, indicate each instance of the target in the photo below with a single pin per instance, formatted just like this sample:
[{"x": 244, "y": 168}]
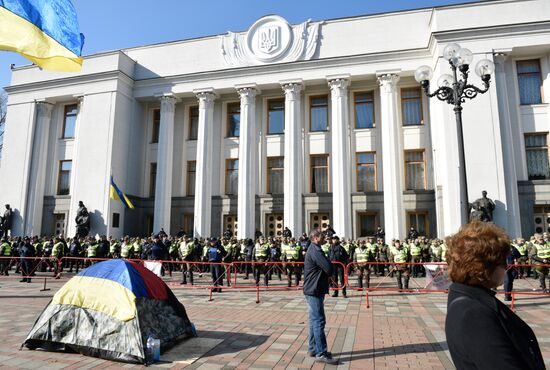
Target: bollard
[
  {"x": 257, "y": 294},
  {"x": 44, "y": 289}
]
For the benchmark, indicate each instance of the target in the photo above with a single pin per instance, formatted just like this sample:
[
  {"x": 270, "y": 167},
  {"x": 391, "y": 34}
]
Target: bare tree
[{"x": 3, "y": 111}]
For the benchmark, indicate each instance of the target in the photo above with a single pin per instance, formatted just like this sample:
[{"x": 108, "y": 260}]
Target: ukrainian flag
[
  {"x": 116, "y": 194},
  {"x": 44, "y": 31}
]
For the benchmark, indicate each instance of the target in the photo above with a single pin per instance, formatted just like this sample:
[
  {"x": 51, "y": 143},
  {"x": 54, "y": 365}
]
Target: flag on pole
[
  {"x": 116, "y": 194},
  {"x": 44, "y": 31}
]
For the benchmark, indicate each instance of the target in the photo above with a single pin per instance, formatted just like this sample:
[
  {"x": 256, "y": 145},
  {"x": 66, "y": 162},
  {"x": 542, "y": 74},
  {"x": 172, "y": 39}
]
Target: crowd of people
[{"x": 215, "y": 253}]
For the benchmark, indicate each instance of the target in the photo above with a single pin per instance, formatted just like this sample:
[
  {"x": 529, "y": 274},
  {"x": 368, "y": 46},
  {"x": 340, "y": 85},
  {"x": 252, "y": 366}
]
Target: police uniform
[
  {"x": 261, "y": 254},
  {"x": 361, "y": 257},
  {"x": 416, "y": 257},
  {"x": 291, "y": 252},
  {"x": 401, "y": 255},
  {"x": 542, "y": 256},
  {"x": 5, "y": 257},
  {"x": 186, "y": 252}
]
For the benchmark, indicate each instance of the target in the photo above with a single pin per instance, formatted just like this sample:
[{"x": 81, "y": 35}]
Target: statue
[
  {"x": 6, "y": 220},
  {"x": 477, "y": 213},
  {"x": 486, "y": 205},
  {"x": 82, "y": 220}
]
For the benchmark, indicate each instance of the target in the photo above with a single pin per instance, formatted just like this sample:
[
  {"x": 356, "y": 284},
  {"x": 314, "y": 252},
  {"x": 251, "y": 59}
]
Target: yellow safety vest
[
  {"x": 543, "y": 251},
  {"x": 362, "y": 254},
  {"x": 399, "y": 255},
  {"x": 92, "y": 250},
  {"x": 261, "y": 251},
  {"x": 125, "y": 250},
  {"x": 5, "y": 249},
  {"x": 416, "y": 250}
]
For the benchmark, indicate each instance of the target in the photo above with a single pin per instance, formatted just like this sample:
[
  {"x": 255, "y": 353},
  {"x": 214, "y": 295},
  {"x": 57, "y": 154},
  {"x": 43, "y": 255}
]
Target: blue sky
[{"x": 118, "y": 24}]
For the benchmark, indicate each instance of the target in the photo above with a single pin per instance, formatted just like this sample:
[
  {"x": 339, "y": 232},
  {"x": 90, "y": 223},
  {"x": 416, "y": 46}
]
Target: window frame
[
  {"x": 311, "y": 170},
  {"x": 355, "y": 93},
  {"x": 227, "y": 161},
  {"x": 426, "y": 214},
  {"x": 65, "y": 109},
  {"x": 227, "y": 119},
  {"x": 59, "y": 176},
  {"x": 268, "y": 101},
  {"x": 541, "y": 80},
  {"x": 420, "y": 97},
  {"x": 190, "y": 119},
  {"x": 268, "y": 173},
  {"x": 405, "y": 167},
  {"x": 546, "y": 133},
  {"x": 155, "y": 128},
  {"x": 310, "y": 100},
  {"x": 367, "y": 213},
  {"x": 188, "y": 183},
  {"x": 357, "y": 171}
]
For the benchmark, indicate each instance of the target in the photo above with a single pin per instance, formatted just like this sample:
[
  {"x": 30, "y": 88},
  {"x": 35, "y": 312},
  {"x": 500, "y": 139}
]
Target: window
[
  {"x": 116, "y": 220},
  {"x": 188, "y": 223},
  {"x": 231, "y": 176},
  {"x": 368, "y": 224},
  {"x": 275, "y": 175},
  {"x": 152, "y": 179},
  {"x": 193, "y": 122},
  {"x": 536, "y": 147},
  {"x": 529, "y": 81},
  {"x": 364, "y": 109},
  {"x": 318, "y": 113},
  {"x": 275, "y": 116},
  {"x": 415, "y": 178},
  {"x": 418, "y": 220},
  {"x": 64, "y": 179},
  {"x": 366, "y": 171},
  {"x": 411, "y": 106},
  {"x": 191, "y": 171},
  {"x": 69, "y": 121},
  {"x": 233, "y": 119},
  {"x": 319, "y": 174},
  {"x": 156, "y": 126}
]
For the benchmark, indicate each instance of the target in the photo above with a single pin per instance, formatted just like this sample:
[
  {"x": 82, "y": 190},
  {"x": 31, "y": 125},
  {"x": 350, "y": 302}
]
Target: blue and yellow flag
[
  {"x": 116, "y": 194},
  {"x": 44, "y": 31}
]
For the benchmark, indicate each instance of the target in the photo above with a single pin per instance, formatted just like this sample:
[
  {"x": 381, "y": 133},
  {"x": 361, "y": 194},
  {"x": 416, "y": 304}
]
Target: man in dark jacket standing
[
  {"x": 317, "y": 269},
  {"x": 26, "y": 250},
  {"x": 337, "y": 253}
]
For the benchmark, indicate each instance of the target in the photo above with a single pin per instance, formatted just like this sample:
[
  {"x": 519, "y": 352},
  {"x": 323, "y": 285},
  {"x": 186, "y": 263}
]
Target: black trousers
[
  {"x": 215, "y": 270},
  {"x": 26, "y": 268},
  {"x": 338, "y": 276}
]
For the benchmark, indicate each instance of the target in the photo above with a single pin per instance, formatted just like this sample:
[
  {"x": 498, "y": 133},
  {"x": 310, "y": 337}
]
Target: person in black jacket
[
  {"x": 337, "y": 253},
  {"x": 26, "y": 250},
  {"x": 317, "y": 269},
  {"x": 482, "y": 332}
]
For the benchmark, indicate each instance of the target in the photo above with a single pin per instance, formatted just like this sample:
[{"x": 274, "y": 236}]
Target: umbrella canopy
[{"x": 108, "y": 311}]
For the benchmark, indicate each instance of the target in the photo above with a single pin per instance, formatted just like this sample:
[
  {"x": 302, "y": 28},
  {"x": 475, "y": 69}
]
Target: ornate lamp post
[{"x": 455, "y": 92}]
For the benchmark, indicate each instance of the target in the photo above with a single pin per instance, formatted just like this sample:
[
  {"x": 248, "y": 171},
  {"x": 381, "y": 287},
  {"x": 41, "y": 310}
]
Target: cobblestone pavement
[{"x": 397, "y": 331}]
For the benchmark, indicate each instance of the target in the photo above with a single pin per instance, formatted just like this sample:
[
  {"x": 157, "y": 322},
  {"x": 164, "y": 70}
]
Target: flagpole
[{"x": 108, "y": 218}]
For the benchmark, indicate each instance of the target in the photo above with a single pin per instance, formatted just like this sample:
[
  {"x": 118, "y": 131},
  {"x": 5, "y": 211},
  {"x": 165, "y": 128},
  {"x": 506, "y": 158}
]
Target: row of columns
[{"x": 293, "y": 161}]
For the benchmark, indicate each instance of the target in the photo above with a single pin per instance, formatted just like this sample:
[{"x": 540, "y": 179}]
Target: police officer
[
  {"x": 114, "y": 249},
  {"x": 57, "y": 254},
  {"x": 274, "y": 256},
  {"x": 287, "y": 233},
  {"x": 231, "y": 255},
  {"x": 291, "y": 253},
  {"x": 248, "y": 255},
  {"x": 187, "y": 254},
  {"x": 261, "y": 255},
  {"x": 75, "y": 252},
  {"x": 338, "y": 254},
  {"x": 91, "y": 251},
  {"x": 523, "y": 259},
  {"x": 383, "y": 255},
  {"x": 542, "y": 256},
  {"x": 126, "y": 248},
  {"x": 400, "y": 255},
  {"x": 26, "y": 252},
  {"x": 5, "y": 256},
  {"x": 361, "y": 257},
  {"x": 416, "y": 255},
  {"x": 215, "y": 256},
  {"x": 372, "y": 250}
]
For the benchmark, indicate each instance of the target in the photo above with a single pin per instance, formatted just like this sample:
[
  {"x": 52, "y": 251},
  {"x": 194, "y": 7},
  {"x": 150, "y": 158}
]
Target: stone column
[
  {"x": 392, "y": 157},
  {"x": 165, "y": 150},
  {"x": 341, "y": 163},
  {"x": 510, "y": 174},
  {"x": 293, "y": 162},
  {"x": 203, "y": 176},
  {"x": 37, "y": 175},
  {"x": 247, "y": 170}
]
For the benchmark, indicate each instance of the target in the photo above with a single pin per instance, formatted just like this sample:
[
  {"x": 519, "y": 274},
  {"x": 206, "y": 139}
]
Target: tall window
[
  {"x": 536, "y": 146},
  {"x": 152, "y": 179},
  {"x": 418, "y": 220},
  {"x": 364, "y": 109},
  {"x": 367, "y": 224},
  {"x": 529, "y": 81},
  {"x": 275, "y": 116},
  {"x": 69, "y": 121},
  {"x": 275, "y": 175},
  {"x": 188, "y": 223},
  {"x": 415, "y": 176},
  {"x": 231, "y": 176},
  {"x": 64, "y": 178},
  {"x": 411, "y": 106},
  {"x": 319, "y": 174},
  {"x": 233, "y": 119},
  {"x": 193, "y": 122},
  {"x": 156, "y": 126},
  {"x": 366, "y": 171},
  {"x": 191, "y": 169},
  {"x": 318, "y": 113}
]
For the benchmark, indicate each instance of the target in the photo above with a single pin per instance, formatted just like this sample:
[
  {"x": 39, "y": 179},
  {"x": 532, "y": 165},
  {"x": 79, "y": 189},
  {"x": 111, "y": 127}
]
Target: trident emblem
[{"x": 269, "y": 39}]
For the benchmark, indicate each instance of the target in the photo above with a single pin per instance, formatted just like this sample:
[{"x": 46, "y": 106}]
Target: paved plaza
[{"x": 397, "y": 331}]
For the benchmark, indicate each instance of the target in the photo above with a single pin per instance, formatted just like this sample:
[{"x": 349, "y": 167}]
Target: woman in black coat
[{"x": 482, "y": 332}]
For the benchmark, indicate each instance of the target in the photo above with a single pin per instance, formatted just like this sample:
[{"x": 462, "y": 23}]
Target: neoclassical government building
[{"x": 297, "y": 125}]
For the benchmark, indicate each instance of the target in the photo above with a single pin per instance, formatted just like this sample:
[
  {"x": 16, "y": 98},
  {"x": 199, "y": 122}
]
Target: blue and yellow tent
[{"x": 108, "y": 311}]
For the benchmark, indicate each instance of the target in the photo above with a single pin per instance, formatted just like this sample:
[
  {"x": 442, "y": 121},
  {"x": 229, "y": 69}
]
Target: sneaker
[
  {"x": 326, "y": 359},
  {"x": 311, "y": 354}
]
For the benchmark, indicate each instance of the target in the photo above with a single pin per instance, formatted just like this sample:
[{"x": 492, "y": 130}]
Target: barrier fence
[{"x": 373, "y": 276}]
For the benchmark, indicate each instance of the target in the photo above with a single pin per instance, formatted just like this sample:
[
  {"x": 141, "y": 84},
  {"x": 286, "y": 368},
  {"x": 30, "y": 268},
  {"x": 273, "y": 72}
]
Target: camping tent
[{"x": 108, "y": 311}]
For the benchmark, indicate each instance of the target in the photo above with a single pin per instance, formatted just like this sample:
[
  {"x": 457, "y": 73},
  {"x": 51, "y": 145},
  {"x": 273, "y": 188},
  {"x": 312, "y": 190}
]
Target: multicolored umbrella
[{"x": 109, "y": 310}]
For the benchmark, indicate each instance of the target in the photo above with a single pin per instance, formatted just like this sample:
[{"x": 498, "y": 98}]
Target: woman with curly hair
[{"x": 482, "y": 332}]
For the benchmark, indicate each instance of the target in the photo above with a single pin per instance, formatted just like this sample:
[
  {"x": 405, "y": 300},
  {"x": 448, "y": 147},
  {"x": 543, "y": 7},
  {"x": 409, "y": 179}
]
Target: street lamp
[{"x": 455, "y": 92}]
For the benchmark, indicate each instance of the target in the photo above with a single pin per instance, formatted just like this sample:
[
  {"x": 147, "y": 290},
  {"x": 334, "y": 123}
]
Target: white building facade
[{"x": 288, "y": 125}]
